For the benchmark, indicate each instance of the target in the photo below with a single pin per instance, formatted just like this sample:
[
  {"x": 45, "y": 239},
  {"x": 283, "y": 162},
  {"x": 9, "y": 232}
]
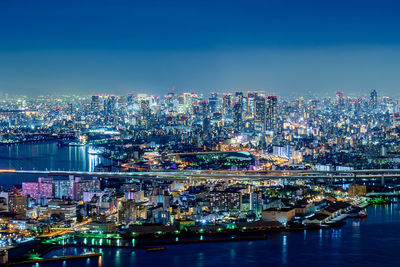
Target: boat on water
[
  {"x": 72, "y": 144},
  {"x": 156, "y": 249},
  {"x": 362, "y": 214},
  {"x": 95, "y": 151}
]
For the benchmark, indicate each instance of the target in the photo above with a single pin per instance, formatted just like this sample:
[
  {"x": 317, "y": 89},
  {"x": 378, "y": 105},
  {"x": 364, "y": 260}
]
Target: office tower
[
  {"x": 69, "y": 109},
  {"x": 188, "y": 99},
  {"x": 130, "y": 99},
  {"x": 206, "y": 126},
  {"x": 237, "y": 116},
  {"x": 145, "y": 108},
  {"x": 239, "y": 97},
  {"x": 109, "y": 107},
  {"x": 213, "y": 102},
  {"x": 271, "y": 107},
  {"x": 373, "y": 99},
  {"x": 226, "y": 104},
  {"x": 340, "y": 99},
  {"x": 204, "y": 108},
  {"x": 95, "y": 104},
  {"x": 170, "y": 101},
  {"x": 259, "y": 112},
  {"x": 251, "y": 96},
  {"x": 300, "y": 106},
  {"x": 357, "y": 106}
]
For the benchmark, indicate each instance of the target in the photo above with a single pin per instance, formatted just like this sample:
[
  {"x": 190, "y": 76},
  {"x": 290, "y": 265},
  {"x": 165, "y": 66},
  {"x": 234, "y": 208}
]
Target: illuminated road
[{"x": 186, "y": 175}]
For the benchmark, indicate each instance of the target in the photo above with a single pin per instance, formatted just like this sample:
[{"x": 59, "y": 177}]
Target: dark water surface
[
  {"x": 44, "y": 156},
  {"x": 374, "y": 241}
]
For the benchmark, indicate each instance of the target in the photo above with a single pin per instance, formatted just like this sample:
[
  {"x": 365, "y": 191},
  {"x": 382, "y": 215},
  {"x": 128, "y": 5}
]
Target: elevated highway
[{"x": 186, "y": 175}]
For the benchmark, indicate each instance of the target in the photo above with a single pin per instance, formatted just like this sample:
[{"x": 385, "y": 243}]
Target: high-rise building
[
  {"x": 237, "y": 116},
  {"x": 95, "y": 104},
  {"x": 271, "y": 113},
  {"x": 63, "y": 188},
  {"x": 69, "y": 109},
  {"x": 204, "y": 108},
  {"x": 109, "y": 107},
  {"x": 127, "y": 211},
  {"x": 239, "y": 97},
  {"x": 82, "y": 185},
  {"x": 340, "y": 99},
  {"x": 17, "y": 203},
  {"x": 213, "y": 103},
  {"x": 373, "y": 99},
  {"x": 145, "y": 108},
  {"x": 226, "y": 104},
  {"x": 40, "y": 189},
  {"x": 259, "y": 111}
]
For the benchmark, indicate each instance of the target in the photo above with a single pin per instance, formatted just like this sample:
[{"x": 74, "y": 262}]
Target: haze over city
[{"x": 283, "y": 47}]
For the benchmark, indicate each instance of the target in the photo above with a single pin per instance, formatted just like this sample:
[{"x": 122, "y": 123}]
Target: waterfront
[
  {"x": 44, "y": 156},
  {"x": 369, "y": 242}
]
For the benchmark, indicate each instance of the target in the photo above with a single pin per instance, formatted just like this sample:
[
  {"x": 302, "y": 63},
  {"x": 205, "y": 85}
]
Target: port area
[
  {"x": 161, "y": 242},
  {"x": 56, "y": 259}
]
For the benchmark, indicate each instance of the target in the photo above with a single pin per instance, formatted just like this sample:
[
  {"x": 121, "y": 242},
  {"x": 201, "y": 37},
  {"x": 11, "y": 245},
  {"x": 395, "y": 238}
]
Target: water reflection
[{"x": 45, "y": 156}]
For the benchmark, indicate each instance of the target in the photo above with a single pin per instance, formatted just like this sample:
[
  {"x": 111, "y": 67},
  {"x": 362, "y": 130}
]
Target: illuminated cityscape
[{"x": 205, "y": 134}]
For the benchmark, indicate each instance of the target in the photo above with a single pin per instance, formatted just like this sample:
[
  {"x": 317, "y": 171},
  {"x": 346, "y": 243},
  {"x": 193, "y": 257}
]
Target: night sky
[{"x": 283, "y": 47}]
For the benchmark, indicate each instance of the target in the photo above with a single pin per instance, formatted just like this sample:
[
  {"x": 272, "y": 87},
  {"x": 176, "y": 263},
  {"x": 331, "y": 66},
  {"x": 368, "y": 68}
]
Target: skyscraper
[
  {"x": 271, "y": 113},
  {"x": 95, "y": 104},
  {"x": 237, "y": 116},
  {"x": 340, "y": 99},
  {"x": 259, "y": 112},
  {"x": 213, "y": 102},
  {"x": 226, "y": 104},
  {"x": 373, "y": 99}
]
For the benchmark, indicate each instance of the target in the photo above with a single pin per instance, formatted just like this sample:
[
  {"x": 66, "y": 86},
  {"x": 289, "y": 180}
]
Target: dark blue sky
[{"x": 279, "y": 46}]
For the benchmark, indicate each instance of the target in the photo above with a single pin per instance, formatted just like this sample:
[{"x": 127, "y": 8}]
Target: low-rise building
[{"x": 283, "y": 215}]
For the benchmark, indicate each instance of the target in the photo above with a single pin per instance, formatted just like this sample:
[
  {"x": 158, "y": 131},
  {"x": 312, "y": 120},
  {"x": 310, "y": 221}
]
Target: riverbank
[
  {"x": 344, "y": 246},
  {"x": 56, "y": 259}
]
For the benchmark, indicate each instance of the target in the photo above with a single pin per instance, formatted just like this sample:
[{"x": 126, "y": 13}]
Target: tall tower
[
  {"x": 95, "y": 104},
  {"x": 340, "y": 99},
  {"x": 373, "y": 99},
  {"x": 259, "y": 111},
  {"x": 226, "y": 105},
  {"x": 238, "y": 116},
  {"x": 272, "y": 104}
]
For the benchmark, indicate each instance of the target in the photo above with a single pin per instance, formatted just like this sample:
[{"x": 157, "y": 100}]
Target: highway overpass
[{"x": 187, "y": 175}]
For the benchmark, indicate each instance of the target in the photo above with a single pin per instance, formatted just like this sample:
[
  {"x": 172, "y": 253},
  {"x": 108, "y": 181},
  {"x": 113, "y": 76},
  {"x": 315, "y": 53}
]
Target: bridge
[{"x": 190, "y": 175}]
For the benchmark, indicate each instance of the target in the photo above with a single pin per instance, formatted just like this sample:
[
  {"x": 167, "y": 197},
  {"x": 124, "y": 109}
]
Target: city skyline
[{"x": 206, "y": 133}]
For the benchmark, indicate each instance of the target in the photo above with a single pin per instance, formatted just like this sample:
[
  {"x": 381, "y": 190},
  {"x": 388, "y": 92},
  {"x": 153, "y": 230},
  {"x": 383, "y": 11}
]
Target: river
[{"x": 44, "y": 156}]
